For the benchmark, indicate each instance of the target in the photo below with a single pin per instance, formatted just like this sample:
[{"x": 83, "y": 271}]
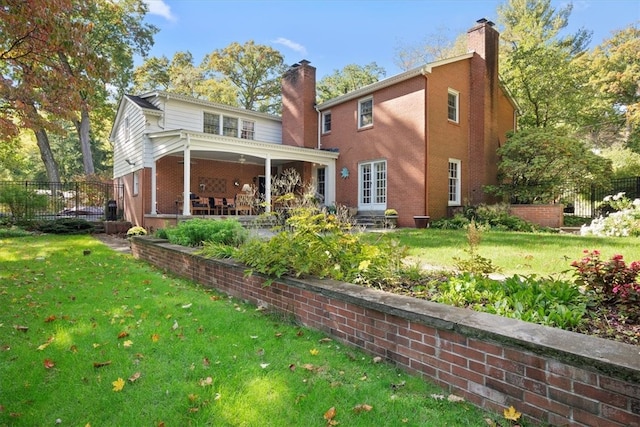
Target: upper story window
[
  {"x": 230, "y": 126},
  {"x": 453, "y": 100},
  {"x": 127, "y": 129},
  {"x": 326, "y": 122},
  {"x": 248, "y": 130},
  {"x": 365, "y": 112},
  {"x": 211, "y": 123}
]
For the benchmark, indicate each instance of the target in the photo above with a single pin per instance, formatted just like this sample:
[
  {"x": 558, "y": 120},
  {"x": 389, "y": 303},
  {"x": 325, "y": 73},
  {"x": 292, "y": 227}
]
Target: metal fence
[
  {"x": 93, "y": 201},
  {"x": 586, "y": 201}
]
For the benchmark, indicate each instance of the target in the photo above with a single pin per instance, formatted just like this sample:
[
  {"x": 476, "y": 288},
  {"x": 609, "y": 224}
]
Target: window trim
[
  {"x": 326, "y": 114},
  {"x": 456, "y": 107},
  {"x": 245, "y": 133},
  {"x": 458, "y": 182},
  {"x": 362, "y": 125},
  {"x": 135, "y": 190},
  {"x": 204, "y": 114},
  {"x": 377, "y": 195}
]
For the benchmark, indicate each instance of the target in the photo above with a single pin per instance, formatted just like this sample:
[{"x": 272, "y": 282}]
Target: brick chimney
[
  {"x": 299, "y": 117},
  {"x": 483, "y": 40}
]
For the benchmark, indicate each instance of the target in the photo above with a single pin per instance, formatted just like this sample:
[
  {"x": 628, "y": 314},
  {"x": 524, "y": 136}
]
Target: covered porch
[{"x": 201, "y": 174}]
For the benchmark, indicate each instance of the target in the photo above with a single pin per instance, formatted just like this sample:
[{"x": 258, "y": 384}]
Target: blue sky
[{"x": 334, "y": 33}]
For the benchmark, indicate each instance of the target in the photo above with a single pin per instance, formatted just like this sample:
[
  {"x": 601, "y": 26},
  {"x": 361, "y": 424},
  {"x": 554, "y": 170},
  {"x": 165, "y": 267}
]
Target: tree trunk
[
  {"x": 82, "y": 127},
  {"x": 47, "y": 155}
]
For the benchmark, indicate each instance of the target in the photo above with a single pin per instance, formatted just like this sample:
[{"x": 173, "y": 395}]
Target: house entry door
[{"x": 372, "y": 186}]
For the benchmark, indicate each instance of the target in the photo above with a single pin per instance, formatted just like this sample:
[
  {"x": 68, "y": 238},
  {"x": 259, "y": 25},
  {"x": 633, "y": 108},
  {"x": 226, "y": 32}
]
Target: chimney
[
  {"x": 299, "y": 116},
  {"x": 483, "y": 40}
]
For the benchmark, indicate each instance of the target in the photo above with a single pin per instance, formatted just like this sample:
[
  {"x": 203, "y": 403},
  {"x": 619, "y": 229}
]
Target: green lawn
[
  {"x": 79, "y": 320},
  {"x": 515, "y": 253}
]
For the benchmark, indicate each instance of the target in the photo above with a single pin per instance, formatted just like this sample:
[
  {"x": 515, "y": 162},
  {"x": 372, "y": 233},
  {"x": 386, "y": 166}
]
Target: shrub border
[{"x": 550, "y": 375}]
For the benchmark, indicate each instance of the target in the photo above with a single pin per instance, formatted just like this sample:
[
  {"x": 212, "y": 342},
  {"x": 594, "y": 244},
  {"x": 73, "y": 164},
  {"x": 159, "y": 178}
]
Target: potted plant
[{"x": 390, "y": 218}]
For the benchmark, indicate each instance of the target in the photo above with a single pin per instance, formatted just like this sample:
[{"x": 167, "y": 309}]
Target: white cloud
[
  {"x": 297, "y": 47},
  {"x": 160, "y": 8}
]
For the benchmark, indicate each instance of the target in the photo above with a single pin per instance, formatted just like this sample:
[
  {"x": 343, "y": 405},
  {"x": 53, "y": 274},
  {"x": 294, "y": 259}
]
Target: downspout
[
  {"x": 425, "y": 71},
  {"x": 315, "y": 107}
]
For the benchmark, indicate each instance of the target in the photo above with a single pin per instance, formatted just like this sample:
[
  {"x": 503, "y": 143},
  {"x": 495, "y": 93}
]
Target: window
[
  {"x": 136, "y": 183},
  {"x": 373, "y": 185},
  {"x": 326, "y": 122},
  {"x": 248, "y": 130},
  {"x": 127, "y": 131},
  {"x": 211, "y": 123},
  {"x": 365, "y": 112},
  {"x": 452, "y": 105},
  {"x": 321, "y": 180},
  {"x": 230, "y": 126},
  {"x": 454, "y": 182}
]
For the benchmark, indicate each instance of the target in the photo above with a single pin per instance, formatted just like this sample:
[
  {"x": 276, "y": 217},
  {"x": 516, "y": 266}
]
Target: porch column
[
  {"x": 154, "y": 189},
  {"x": 186, "y": 175},
  {"x": 267, "y": 182},
  {"x": 330, "y": 196}
]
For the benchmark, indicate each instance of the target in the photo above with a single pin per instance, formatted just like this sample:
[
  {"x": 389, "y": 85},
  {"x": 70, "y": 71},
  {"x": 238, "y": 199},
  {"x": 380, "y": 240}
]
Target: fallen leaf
[
  {"x": 48, "y": 363},
  {"x": 214, "y": 297},
  {"x": 206, "y": 381},
  {"x": 264, "y": 365},
  {"x": 135, "y": 377},
  {"x": 300, "y": 333},
  {"x": 364, "y": 377},
  {"x": 50, "y": 319},
  {"x": 511, "y": 414},
  {"x": 314, "y": 351},
  {"x": 363, "y": 407},
  {"x": 377, "y": 359},
  {"x": 101, "y": 364},
  {"x": 123, "y": 334},
  {"x": 278, "y": 334},
  {"x": 187, "y": 305},
  {"x": 324, "y": 340},
  {"x": 46, "y": 344},
  {"x": 330, "y": 414},
  {"x": 205, "y": 362},
  {"x": 196, "y": 409},
  {"x": 118, "y": 384},
  {"x": 155, "y": 337},
  {"x": 309, "y": 367},
  {"x": 127, "y": 343},
  {"x": 292, "y": 367},
  {"x": 21, "y": 328},
  {"x": 454, "y": 398},
  {"x": 400, "y": 385},
  {"x": 175, "y": 325},
  {"x": 73, "y": 349}
]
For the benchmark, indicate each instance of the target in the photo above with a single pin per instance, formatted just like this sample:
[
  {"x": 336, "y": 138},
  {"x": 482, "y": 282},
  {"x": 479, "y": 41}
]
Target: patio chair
[{"x": 244, "y": 203}]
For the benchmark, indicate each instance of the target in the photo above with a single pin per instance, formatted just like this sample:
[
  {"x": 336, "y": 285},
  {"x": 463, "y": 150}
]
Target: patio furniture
[
  {"x": 244, "y": 203},
  {"x": 200, "y": 205}
]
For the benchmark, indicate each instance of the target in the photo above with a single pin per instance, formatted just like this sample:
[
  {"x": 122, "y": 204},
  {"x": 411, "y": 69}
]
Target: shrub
[
  {"x": 22, "y": 202},
  {"x": 613, "y": 282},
  {"x": 196, "y": 231},
  {"x": 620, "y": 218},
  {"x": 66, "y": 226},
  {"x": 136, "y": 231},
  {"x": 495, "y": 216}
]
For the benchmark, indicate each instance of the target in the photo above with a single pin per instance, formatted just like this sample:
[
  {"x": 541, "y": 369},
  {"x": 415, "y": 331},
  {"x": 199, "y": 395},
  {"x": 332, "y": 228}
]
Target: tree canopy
[{"x": 350, "y": 78}]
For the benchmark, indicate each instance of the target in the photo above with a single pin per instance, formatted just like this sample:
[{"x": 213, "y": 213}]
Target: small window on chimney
[{"x": 453, "y": 105}]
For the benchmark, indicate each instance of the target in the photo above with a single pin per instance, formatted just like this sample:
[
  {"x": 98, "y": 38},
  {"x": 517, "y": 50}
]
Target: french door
[{"x": 372, "y": 186}]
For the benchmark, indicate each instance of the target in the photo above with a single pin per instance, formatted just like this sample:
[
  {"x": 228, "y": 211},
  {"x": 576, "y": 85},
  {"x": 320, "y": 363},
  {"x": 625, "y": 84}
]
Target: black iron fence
[
  {"x": 587, "y": 201},
  {"x": 93, "y": 201}
]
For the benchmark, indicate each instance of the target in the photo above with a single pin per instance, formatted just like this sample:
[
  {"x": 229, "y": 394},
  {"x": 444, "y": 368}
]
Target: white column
[
  {"x": 186, "y": 174},
  {"x": 330, "y": 176},
  {"x": 154, "y": 189},
  {"x": 267, "y": 182}
]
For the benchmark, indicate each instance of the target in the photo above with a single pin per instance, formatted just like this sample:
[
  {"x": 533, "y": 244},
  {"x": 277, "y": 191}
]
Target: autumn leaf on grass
[
  {"x": 46, "y": 344},
  {"x": 206, "y": 381},
  {"x": 127, "y": 343},
  {"x": 363, "y": 407},
  {"x": 50, "y": 319},
  {"x": 314, "y": 351},
  {"x": 330, "y": 415},
  {"x": 133, "y": 378},
  {"x": 118, "y": 384},
  {"x": 453, "y": 398},
  {"x": 511, "y": 414},
  {"x": 21, "y": 328},
  {"x": 101, "y": 364},
  {"x": 155, "y": 337},
  {"x": 123, "y": 334},
  {"x": 48, "y": 363}
]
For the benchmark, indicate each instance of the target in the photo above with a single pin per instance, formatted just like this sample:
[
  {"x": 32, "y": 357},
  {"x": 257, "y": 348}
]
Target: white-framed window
[
  {"x": 248, "y": 130},
  {"x": 453, "y": 104},
  {"x": 211, "y": 123},
  {"x": 454, "y": 182},
  {"x": 365, "y": 112},
  {"x": 321, "y": 180},
  {"x": 326, "y": 122},
  {"x": 136, "y": 183},
  {"x": 230, "y": 126},
  {"x": 127, "y": 129},
  {"x": 372, "y": 189}
]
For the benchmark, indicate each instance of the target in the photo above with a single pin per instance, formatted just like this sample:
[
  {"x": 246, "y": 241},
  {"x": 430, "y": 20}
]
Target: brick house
[{"x": 422, "y": 142}]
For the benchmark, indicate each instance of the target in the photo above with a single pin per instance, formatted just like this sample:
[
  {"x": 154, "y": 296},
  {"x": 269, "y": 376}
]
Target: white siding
[{"x": 131, "y": 149}]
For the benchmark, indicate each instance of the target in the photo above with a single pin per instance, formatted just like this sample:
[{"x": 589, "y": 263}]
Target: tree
[
  {"x": 614, "y": 68},
  {"x": 537, "y": 165},
  {"x": 434, "y": 47},
  {"x": 350, "y": 78},
  {"x": 254, "y": 70},
  {"x": 538, "y": 65}
]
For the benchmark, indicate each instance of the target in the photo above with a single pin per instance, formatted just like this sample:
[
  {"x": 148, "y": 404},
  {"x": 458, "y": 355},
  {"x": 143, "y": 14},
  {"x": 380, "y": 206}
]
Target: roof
[{"x": 142, "y": 103}]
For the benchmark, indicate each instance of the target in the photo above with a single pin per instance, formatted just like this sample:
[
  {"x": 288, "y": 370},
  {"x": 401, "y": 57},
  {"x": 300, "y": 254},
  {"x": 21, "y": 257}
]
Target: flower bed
[{"x": 550, "y": 375}]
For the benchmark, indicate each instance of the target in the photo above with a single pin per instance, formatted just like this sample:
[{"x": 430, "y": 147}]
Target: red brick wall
[
  {"x": 543, "y": 215},
  {"x": 551, "y": 376},
  {"x": 298, "y": 106}
]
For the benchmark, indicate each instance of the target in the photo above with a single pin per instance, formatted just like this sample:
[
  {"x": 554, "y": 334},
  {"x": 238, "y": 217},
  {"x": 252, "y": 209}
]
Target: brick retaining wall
[
  {"x": 550, "y": 375},
  {"x": 543, "y": 215}
]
